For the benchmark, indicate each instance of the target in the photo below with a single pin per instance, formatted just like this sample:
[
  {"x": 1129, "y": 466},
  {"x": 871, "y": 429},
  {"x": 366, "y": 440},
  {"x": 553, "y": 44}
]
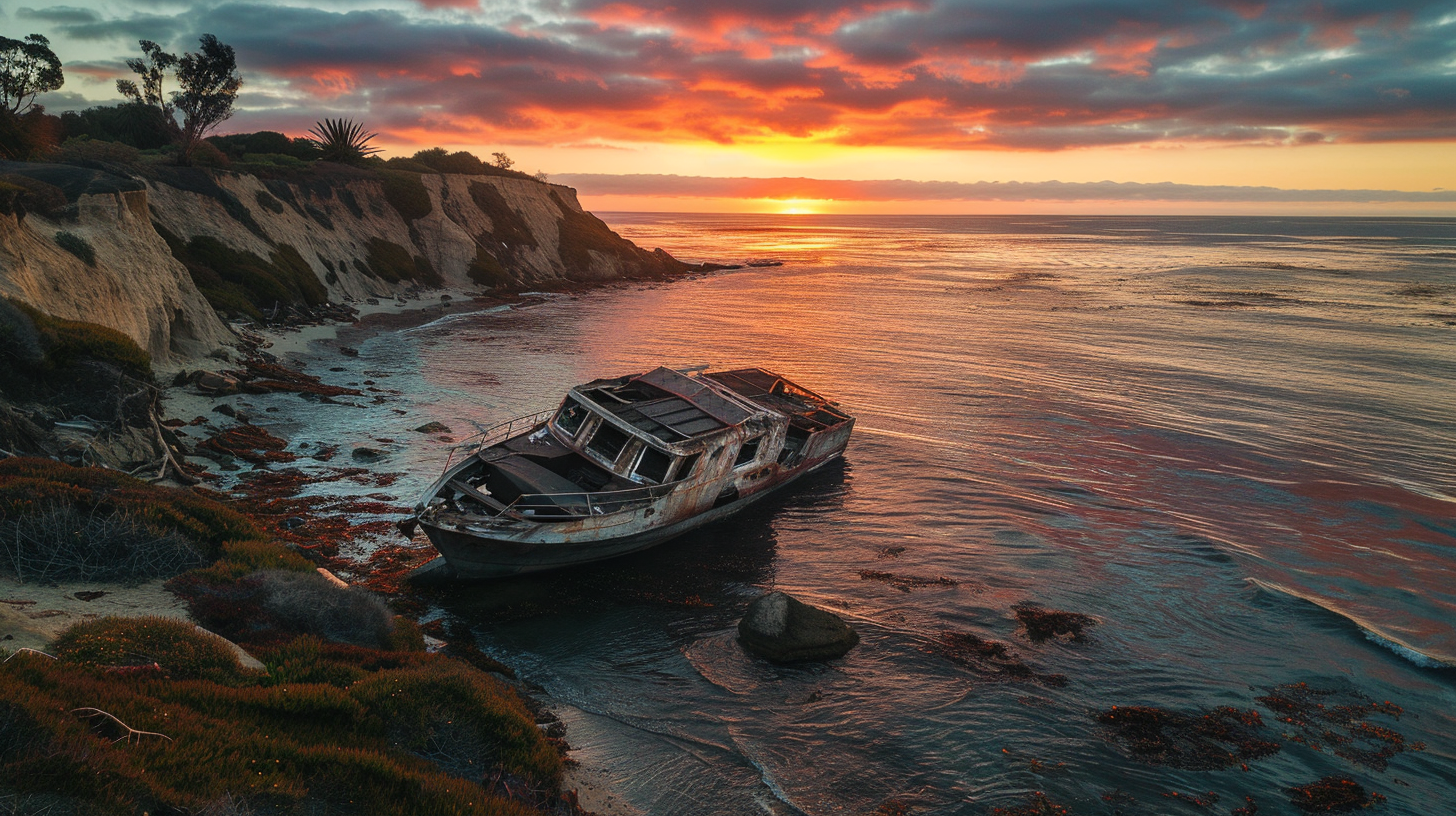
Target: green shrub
[
  {"x": 507, "y": 225},
  {"x": 78, "y": 246},
  {"x": 408, "y": 165},
  {"x": 67, "y": 342},
  {"x": 464, "y": 721},
  {"x": 268, "y": 202},
  {"x": 240, "y": 282},
  {"x": 580, "y": 233},
  {"x": 406, "y": 194},
  {"x": 34, "y": 195},
  {"x": 63, "y": 542},
  {"x": 177, "y": 646},
  {"x": 393, "y": 263},
  {"x": 27, "y": 484},
  {"x": 82, "y": 149},
  {"x": 486, "y": 270}
]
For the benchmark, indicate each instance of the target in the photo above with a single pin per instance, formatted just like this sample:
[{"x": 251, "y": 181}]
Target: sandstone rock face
[
  {"x": 135, "y": 286},
  {"x": 784, "y": 630},
  {"x": 521, "y": 232}
]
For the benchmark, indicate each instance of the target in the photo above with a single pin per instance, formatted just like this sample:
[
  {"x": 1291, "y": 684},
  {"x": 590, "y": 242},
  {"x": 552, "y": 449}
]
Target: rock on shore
[{"x": 782, "y": 629}]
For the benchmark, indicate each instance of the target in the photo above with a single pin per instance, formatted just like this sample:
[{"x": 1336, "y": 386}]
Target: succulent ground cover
[{"x": 349, "y": 715}]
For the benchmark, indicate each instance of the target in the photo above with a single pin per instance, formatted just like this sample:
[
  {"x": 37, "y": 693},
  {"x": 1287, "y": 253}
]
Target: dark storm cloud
[
  {"x": 901, "y": 190},
  {"x": 928, "y": 73},
  {"x": 58, "y": 14}
]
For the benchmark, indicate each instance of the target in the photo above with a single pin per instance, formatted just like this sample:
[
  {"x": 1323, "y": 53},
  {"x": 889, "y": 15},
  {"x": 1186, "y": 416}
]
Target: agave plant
[{"x": 342, "y": 140}]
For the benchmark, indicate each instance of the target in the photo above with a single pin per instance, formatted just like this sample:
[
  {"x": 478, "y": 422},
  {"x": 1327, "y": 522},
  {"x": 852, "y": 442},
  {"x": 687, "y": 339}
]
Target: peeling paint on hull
[{"x": 470, "y": 555}]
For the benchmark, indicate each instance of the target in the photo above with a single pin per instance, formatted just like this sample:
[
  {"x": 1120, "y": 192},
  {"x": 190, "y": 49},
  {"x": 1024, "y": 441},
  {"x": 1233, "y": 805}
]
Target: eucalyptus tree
[
  {"x": 28, "y": 68},
  {"x": 208, "y": 85}
]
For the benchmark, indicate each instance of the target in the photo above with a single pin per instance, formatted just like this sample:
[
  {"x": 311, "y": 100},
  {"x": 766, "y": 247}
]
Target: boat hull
[{"x": 476, "y": 554}]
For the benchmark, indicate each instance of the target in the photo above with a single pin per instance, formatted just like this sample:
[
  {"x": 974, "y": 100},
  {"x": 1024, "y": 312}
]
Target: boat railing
[
  {"x": 497, "y": 433},
  {"x": 586, "y": 504}
]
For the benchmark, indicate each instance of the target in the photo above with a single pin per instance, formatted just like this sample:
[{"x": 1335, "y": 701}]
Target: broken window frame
[
  {"x": 641, "y": 458},
  {"x": 753, "y": 447},
  {"x": 570, "y": 432},
  {"x": 603, "y": 425}
]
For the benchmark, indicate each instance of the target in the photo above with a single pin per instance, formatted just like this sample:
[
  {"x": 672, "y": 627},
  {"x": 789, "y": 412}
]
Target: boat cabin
[{"x": 612, "y": 440}]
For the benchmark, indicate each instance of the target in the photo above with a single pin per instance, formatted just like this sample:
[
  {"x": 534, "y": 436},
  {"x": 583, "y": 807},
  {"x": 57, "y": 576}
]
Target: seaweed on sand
[
  {"x": 1200, "y": 741},
  {"x": 249, "y": 443}
]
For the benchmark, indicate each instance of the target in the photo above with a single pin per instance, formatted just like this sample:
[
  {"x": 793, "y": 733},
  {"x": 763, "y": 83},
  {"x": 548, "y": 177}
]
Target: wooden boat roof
[{"x": 666, "y": 404}]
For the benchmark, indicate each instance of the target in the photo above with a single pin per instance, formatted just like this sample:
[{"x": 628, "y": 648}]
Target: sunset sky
[{"x": 849, "y": 105}]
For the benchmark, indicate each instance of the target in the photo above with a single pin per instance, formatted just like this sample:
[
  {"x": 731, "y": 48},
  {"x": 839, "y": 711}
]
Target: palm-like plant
[{"x": 342, "y": 140}]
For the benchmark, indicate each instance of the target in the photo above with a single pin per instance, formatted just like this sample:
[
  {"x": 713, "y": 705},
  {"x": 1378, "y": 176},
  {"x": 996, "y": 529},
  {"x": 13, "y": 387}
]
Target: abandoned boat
[{"x": 623, "y": 464}]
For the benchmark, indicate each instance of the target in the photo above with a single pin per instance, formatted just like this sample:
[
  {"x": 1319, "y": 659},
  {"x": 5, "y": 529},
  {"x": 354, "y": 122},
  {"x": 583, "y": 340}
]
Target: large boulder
[{"x": 779, "y": 628}]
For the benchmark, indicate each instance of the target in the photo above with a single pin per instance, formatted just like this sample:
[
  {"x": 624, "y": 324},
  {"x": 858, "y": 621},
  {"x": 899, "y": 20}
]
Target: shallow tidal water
[{"x": 1230, "y": 441}]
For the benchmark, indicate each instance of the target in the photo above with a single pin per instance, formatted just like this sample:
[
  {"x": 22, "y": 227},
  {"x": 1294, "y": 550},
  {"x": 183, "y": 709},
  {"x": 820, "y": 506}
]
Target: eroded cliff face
[
  {"x": 134, "y": 285},
  {"x": 472, "y": 232},
  {"x": 360, "y": 233}
]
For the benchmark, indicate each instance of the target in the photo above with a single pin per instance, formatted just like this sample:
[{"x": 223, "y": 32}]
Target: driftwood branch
[
  {"x": 168, "y": 459},
  {"x": 105, "y": 725},
  {"x": 31, "y": 651}
]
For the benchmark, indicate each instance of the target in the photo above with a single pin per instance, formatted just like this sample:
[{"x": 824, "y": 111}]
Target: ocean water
[{"x": 1231, "y": 441}]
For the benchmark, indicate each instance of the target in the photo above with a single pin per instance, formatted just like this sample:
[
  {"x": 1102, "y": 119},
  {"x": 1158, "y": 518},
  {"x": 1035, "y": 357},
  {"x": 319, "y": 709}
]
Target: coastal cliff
[{"x": 169, "y": 253}]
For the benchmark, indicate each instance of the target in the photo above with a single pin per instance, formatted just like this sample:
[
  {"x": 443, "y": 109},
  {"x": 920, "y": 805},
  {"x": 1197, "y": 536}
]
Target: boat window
[
  {"x": 654, "y": 464},
  {"x": 570, "y": 417},
  {"x": 685, "y": 469},
  {"x": 608, "y": 442},
  {"x": 748, "y": 452}
]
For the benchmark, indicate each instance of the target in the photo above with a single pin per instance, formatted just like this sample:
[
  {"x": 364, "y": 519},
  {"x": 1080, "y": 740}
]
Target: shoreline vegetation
[
  {"x": 171, "y": 646},
  {"x": 321, "y": 697}
]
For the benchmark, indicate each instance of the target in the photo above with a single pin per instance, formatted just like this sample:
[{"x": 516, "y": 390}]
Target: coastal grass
[
  {"x": 76, "y": 245},
  {"x": 28, "y": 485},
  {"x": 485, "y": 270},
  {"x": 238, "y": 282},
  {"x": 430, "y": 737},
  {"x": 151, "y": 714},
  {"x": 62, "y": 343},
  {"x": 176, "y": 647},
  {"x": 391, "y": 262},
  {"x": 405, "y": 192}
]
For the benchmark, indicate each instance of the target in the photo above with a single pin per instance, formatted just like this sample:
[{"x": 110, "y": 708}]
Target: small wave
[
  {"x": 451, "y": 318},
  {"x": 1371, "y": 632}
]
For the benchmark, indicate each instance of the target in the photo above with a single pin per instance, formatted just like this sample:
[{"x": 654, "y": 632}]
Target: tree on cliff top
[
  {"x": 209, "y": 86},
  {"x": 27, "y": 68}
]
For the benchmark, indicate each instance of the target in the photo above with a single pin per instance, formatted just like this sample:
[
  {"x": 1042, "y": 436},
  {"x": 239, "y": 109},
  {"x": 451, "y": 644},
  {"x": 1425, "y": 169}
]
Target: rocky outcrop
[{"x": 785, "y": 630}]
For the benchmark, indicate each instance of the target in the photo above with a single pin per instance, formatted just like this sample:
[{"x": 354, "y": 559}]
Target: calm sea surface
[{"x": 1231, "y": 441}]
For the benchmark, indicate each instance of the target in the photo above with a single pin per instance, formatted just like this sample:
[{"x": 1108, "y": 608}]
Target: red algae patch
[
  {"x": 1200, "y": 741},
  {"x": 990, "y": 659},
  {"x": 249, "y": 443},
  {"x": 1037, "y": 805},
  {"x": 1042, "y": 624},
  {"x": 905, "y": 583},
  {"x": 1336, "y": 719},
  {"x": 263, "y": 376},
  {"x": 1332, "y": 794}
]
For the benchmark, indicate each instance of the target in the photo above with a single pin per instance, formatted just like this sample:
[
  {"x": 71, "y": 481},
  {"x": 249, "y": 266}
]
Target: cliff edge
[{"x": 166, "y": 254}]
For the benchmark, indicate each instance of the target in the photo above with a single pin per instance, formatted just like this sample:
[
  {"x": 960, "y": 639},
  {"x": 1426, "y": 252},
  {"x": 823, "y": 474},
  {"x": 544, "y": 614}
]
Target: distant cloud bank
[
  {"x": 944, "y": 74},
  {"x": 669, "y": 186}
]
